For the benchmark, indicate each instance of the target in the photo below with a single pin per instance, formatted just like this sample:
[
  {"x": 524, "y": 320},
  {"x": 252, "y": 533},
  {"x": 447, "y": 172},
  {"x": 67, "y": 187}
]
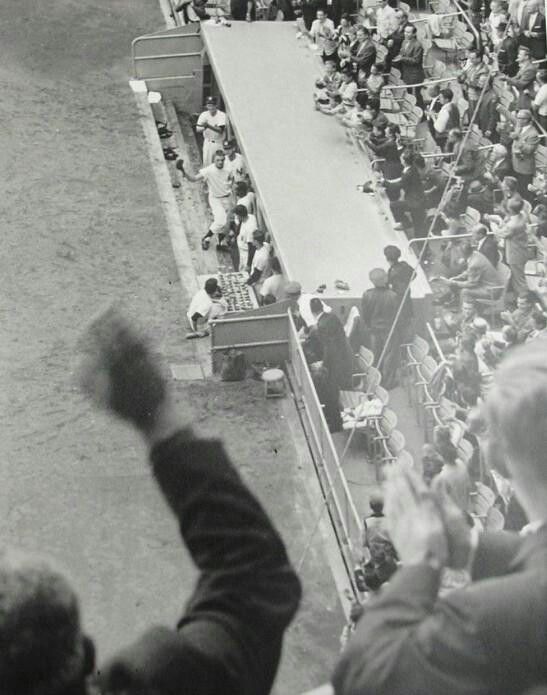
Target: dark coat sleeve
[{"x": 229, "y": 639}]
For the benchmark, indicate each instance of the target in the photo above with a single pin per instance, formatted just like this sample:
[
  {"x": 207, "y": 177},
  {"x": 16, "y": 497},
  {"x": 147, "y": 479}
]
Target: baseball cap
[
  {"x": 228, "y": 144},
  {"x": 293, "y": 289},
  {"x": 211, "y": 100}
]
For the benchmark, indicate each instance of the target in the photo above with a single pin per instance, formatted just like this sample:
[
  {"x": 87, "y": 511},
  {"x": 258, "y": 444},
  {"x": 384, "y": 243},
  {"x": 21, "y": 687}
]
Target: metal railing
[{"x": 342, "y": 510}]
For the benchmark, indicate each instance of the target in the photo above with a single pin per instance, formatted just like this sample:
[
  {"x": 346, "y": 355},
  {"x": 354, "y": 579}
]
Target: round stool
[{"x": 274, "y": 383}]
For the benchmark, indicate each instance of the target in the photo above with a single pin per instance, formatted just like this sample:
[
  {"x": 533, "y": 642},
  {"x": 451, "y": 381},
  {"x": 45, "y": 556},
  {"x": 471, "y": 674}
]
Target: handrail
[
  {"x": 435, "y": 342},
  {"x": 425, "y": 83},
  {"x": 444, "y": 237}
]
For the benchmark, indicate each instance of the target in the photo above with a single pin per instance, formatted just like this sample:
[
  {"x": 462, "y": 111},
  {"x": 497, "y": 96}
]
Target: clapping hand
[{"x": 414, "y": 519}]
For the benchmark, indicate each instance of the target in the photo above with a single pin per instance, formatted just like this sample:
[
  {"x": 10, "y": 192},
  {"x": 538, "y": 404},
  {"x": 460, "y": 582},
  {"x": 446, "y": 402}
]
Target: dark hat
[
  {"x": 211, "y": 100},
  {"x": 293, "y": 289},
  {"x": 229, "y": 144}
]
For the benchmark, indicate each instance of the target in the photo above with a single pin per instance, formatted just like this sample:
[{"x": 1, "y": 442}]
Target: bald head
[{"x": 378, "y": 277}]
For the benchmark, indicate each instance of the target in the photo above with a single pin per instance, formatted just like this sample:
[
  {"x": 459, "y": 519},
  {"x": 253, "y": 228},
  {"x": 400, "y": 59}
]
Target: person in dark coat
[
  {"x": 229, "y": 637},
  {"x": 336, "y": 352},
  {"x": 379, "y": 307},
  {"x": 410, "y": 61},
  {"x": 487, "y": 114},
  {"x": 399, "y": 276}
]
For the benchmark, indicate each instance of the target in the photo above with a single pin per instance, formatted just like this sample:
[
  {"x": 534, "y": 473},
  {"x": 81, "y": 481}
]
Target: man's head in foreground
[
  {"x": 516, "y": 413},
  {"x": 43, "y": 650}
]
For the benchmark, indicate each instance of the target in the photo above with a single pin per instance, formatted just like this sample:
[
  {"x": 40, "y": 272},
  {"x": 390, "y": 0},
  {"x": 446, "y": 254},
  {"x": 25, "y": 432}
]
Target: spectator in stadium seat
[
  {"x": 331, "y": 77},
  {"x": 410, "y": 61},
  {"x": 522, "y": 318},
  {"x": 376, "y": 80},
  {"x": 487, "y": 114},
  {"x": 453, "y": 479},
  {"x": 363, "y": 50},
  {"x": 463, "y": 153},
  {"x": 212, "y": 125},
  {"x": 506, "y": 50},
  {"x": 540, "y": 327},
  {"x": 446, "y": 119},
  {"x": 525, "y": 77},
  {"x": 525, "y": 143},
  {"x": 478, "y": 279},
  {"x": 399, "y": 275},
  {"x": 413, "y": 200},
  {"x": 480, "y": 198},
  {"x": 472, "y": 70},
  {"x": 322, "y": 33},
  {"x": 513, "y": 231},
  {"x": 396, "y": 38},
  {"x": 229, "y": 636},
  {"x": 532, "y": 28},
  {"x": 389, "y": 151},
  {"x": 386, "y": 20},
  {"x": 496, "y": 17},
  {"x": 539, "y": 105},
  {"x": 348, "y": 86},
  {"x": 486, "y": 244},
  {"x": 510, "y": 191}
]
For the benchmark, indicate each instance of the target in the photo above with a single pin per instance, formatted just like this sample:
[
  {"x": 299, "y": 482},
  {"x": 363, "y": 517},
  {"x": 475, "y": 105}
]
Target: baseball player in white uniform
[{"x": 212, "y": 125}]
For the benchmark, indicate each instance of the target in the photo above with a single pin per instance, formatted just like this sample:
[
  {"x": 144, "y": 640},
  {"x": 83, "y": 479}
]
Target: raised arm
[
  {"x": 229, "y": 637},
  {"x": 186, "y": 175}
]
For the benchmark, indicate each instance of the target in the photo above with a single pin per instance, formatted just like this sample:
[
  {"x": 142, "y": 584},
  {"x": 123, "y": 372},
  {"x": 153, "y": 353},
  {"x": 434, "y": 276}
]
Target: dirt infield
[{"x": 82, "y": 226}]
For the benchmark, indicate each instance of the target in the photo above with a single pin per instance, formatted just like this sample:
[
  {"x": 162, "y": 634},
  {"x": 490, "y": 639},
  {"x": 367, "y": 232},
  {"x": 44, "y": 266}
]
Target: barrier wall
[{"x": 344, "y": 516}]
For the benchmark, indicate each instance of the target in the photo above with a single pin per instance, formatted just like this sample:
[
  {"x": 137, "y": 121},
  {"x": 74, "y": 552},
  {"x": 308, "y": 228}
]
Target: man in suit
[
  {"x": 469, "y": 77},
  {"x": 490, "y": 636},
  {"x": 463, "y": 155},
  {"x": 487, "y": 115},
  {"x": 525, "y": 77},
  {"x": 399, "y": 276},
  {"x": 410, "y": 61},
  {"x": 480, "y": 279},
  {"x": 525, "y": 142},
  {"x": 411, "y": 194},
  {"x": 363, "y": 50},
  {"x": 513, "y": 232},
  {"x": 532, "y": 28},
  {"x": 485, "y": 243}
]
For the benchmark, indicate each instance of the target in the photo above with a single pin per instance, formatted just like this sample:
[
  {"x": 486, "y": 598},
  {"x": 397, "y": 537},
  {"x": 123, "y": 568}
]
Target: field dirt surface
[{"x": 82, "y": 226}]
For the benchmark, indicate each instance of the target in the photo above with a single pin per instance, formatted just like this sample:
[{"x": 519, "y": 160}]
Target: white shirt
[
  {"x": 219, "y": 119},
  {"x": 246, "y": 230},
  {"x": 386, "y": 21},
  {"x": 540, "y": 100},
  {"x": 348, "y": 90},
  {"x": 440, "y": 122},
  {"x": 236, "y": 166},
  {"x": 261, "y": 259},
  {"x": 323, "y": 35},
  {"x": 218, "y": 180},
  {"x": 273, "y": 285},
  {"x": 201, "y": 304}
]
